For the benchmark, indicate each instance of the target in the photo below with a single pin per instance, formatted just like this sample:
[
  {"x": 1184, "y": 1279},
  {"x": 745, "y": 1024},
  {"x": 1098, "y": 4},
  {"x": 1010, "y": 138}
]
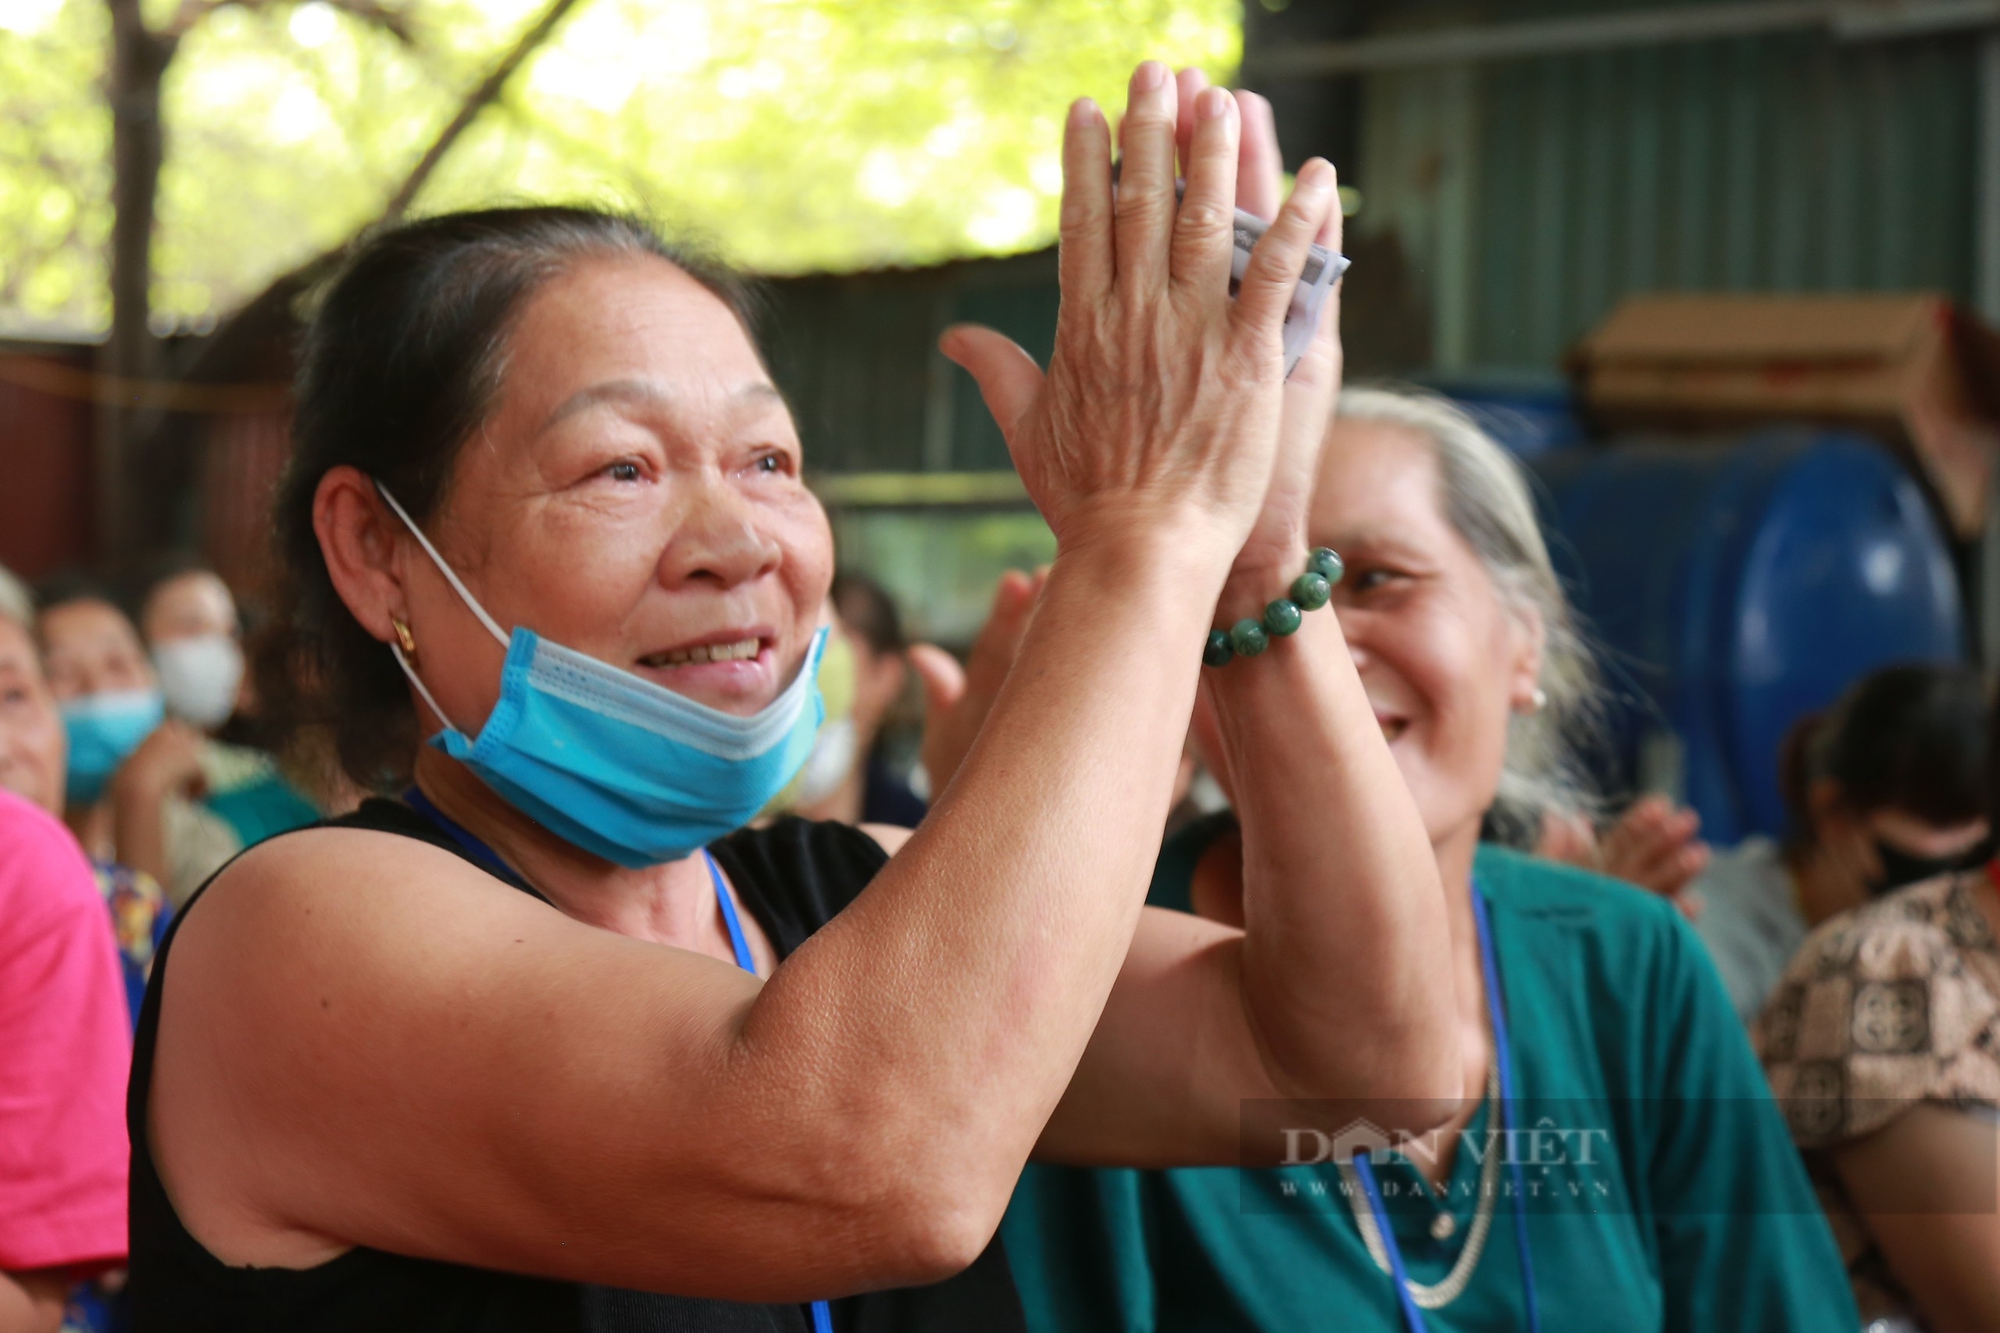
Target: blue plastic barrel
[{"x": 1732, "y": 589}]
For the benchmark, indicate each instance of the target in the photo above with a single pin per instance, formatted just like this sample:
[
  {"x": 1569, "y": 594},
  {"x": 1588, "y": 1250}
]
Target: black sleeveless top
[{"x": 793, "y": 877}]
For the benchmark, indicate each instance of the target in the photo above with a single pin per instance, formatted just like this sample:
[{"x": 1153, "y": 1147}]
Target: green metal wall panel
[
  {"x": 1024, "y": 311},
  {"x": 857, "y": 356},
  {"x": 852, "y": 355},
  {"x": 1534, "y": 194}
]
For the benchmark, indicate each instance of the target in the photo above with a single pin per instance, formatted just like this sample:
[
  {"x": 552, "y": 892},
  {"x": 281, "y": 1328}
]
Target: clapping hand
[{"x": 1163, "y": 400}]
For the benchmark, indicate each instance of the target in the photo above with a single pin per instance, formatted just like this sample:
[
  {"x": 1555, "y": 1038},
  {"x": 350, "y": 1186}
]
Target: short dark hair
[
  {"x": 866, "y": 607},
  {"x": 75, "y": 586},
  {"x": 402, "y": 360},
  {"x": 169, "y": 567},
  {"x": 1909, "y": 738}
]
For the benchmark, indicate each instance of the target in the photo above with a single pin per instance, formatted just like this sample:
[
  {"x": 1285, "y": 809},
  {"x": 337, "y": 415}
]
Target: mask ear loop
[{"x": 456, "y": 586}]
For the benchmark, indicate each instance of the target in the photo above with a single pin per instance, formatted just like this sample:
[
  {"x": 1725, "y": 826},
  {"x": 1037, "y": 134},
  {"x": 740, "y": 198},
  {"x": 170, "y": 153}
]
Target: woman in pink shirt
[{"x": 64, "y": 1051}]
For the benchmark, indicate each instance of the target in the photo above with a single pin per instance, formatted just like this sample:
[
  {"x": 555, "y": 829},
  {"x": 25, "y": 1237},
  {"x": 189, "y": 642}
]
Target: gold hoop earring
[{"x": 405, "y": 639}]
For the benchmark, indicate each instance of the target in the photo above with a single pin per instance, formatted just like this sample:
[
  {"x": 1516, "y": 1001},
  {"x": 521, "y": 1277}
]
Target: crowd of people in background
[
  {"x": 421, "y": 1068},
  {"x": 111, "y": 730}
]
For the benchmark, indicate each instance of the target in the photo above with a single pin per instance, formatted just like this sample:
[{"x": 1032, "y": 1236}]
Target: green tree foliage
[
  {"x": 55, "y": 168},
  {"x": 795, "y": 134}
]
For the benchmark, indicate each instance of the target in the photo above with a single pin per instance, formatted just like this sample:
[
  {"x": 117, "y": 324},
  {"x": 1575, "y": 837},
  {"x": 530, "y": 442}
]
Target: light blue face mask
[
  {"x": 104, "y": 729},
  {"x": 611, "y": 761}
]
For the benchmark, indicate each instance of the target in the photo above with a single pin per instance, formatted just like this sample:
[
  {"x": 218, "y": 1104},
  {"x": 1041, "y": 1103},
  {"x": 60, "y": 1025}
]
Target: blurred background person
[
  {"x": 111, "y": 709},
  {"x": 64, "y": 1014},
  {"x": 1653, "y": 844},
  {"x": 1882, "y": 1039},
  {"x": 847, "y": 778},
  {"x": 957, "y": 696},
  {"x": 65, "y": 1048},
  {"x": 1887, "y": 787},
  {"x": 194, "y": 636},
  {"x": 867, "y": 615},
  {"x": 34, "y": 766},
  {"x": 143, "y": 789},
  {"x": 191, "y": 629}
]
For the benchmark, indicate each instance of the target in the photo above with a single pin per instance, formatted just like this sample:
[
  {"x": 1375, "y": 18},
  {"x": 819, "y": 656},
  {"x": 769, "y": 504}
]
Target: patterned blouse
[
  {"x": 1884, "y": 1007},
  {"x": 139, "y": 917}
]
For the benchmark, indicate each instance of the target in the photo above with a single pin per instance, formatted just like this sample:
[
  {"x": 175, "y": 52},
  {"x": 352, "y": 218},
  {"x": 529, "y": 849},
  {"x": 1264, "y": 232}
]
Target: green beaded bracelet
[{"x": 1249, "y": 637}]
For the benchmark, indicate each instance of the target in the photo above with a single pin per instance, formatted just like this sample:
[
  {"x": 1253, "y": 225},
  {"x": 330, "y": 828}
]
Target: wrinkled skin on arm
[{"x": 366, "y": 1041}]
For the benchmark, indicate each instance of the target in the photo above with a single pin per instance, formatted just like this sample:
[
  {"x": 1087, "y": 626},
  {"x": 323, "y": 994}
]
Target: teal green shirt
[
  {"x": 1678, "y": 1201},
  {"x": 262, "y": 809},
  {"x": 246, "y": 790}
]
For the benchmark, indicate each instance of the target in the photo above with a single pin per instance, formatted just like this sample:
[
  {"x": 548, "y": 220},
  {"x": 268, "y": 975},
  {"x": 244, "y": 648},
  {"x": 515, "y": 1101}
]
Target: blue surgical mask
[
  {"x": 104, "y": 728},
  {"x": 614, "y": 763}
]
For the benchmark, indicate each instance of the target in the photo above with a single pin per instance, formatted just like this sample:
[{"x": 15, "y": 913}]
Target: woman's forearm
[
  {"x": 983, "y": 953},
  {"x": 1346, "y": 972}
]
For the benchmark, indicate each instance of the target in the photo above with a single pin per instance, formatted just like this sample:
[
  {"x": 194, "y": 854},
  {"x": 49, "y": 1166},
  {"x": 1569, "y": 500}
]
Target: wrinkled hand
[
  {"x": 1278, "y": 541},
  {"x": 1652, "y": 845},
  {"x": 958, "y": 698},
  {"x": 166, "y": 762},
  {"x": 1161, "y": 406}
]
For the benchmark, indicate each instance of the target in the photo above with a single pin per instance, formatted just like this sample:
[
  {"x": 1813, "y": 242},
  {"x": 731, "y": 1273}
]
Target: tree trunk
[
  {"x": 256, "y": 341},
  {"x": 139, "y": 59}
]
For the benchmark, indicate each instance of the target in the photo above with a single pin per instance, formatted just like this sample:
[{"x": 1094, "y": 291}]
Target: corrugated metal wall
[
  {"x": 1533, "y": 194},
  {"x": 243, "y": 455},
  {"x": 46, "y": 521},
  {"x": 857, "y": 356}
]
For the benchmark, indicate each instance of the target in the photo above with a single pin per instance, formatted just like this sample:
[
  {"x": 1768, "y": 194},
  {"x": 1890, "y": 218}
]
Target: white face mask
[
  {"x": 831, "y": 760},
  {"x": 199, "y": 677}
]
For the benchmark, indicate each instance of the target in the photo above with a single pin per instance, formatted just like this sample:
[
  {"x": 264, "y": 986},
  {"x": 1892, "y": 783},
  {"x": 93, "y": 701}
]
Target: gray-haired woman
[{"x": 1618, "y": 1162}]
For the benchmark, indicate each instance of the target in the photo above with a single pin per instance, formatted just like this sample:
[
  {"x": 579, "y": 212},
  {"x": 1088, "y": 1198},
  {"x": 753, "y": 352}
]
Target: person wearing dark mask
[
  {"x": 1882, "y": 1037},
  {"x": 1885, "y": 788}
]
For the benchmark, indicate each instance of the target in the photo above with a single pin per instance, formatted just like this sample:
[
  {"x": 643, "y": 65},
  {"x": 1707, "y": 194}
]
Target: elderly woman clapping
[
  {"x": 1617, "y": 1162},
  {"x": 548, "y": 1042}
]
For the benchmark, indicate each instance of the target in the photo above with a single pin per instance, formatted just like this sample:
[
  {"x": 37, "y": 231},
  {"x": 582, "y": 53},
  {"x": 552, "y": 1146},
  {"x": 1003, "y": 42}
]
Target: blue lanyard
[
  {"x": 822, "y": 1313},
  {"x": 737, "y": 944},
  {"x": 1413, "y": 1318},
  {"x": 473, "y": 847}
]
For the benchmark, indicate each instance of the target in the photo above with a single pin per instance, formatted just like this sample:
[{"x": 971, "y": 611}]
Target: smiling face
[
  {"x": 635, "y": 495},
  {"x": 1444, "y": 660}
]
